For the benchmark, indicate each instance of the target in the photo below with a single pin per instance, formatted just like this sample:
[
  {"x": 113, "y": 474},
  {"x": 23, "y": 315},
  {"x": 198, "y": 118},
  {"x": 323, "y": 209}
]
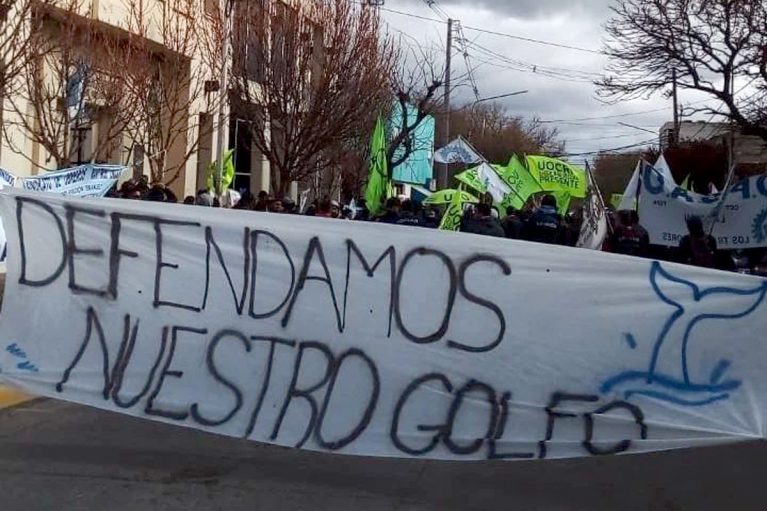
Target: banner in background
[
  {"x": 378, "y": 340},
  {"x": 83, "y": 181},
  {"x": 417, "y": 167},
  {"x": 737, "y": 218},
  {"x": 558, "y": 176}
]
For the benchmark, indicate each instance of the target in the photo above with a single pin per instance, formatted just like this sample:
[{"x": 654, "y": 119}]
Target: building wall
[{"x": 114, "y": 14}]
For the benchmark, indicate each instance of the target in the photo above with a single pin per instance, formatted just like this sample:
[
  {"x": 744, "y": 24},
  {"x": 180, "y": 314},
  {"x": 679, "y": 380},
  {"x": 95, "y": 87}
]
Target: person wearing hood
[
  {"x": 482, "y": 222},
  {"x": 545, "y": 225}
]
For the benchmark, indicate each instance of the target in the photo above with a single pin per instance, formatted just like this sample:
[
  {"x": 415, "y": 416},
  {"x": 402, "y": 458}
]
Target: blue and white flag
[{"x": 457, "y": 151}]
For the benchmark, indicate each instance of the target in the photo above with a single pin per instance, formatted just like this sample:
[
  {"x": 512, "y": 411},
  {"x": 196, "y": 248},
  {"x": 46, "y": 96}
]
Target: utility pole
[
  {"x": 444, "y": 177},
  {"x": 675, "y": 95}
]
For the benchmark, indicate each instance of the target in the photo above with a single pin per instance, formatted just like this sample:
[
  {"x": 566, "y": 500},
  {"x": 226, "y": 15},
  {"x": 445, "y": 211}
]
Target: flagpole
[
  {"x": 598, "y": 192},
  {"x": 484, "y": 160},
  {"x": 723, "y": 198}
]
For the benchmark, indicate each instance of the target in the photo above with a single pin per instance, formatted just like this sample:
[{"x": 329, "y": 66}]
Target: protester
[
  {"x": 289, "y": 205},
  {"x": 247, "y": 202},
  {"x": 363, "y": 214},
  {"x": 513, "y": 224},
  {"x": 698, "y": 248},
  {"x": 189, "y": 200},
  {"x": 408, "y": 215},
  {"x": 277, "y": 206},
  {"x": 572, "y": 228},
  {"x": 481, "y": 221},
  {"x": 628, "y": 237},
  {"x": 262, "y": 204},
  {"x": 430, "y": 218},
  {"x": 156, "y": 193},
  {"x": 392, "y": 212},
  {"x": 230, "y": 198},
  {"x": 204, "y": 198},
  {"x": 545, "y": 225}
]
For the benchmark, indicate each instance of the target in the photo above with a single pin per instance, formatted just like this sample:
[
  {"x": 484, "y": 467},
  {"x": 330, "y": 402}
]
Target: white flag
[
  {"x": 457, "y": 151},
  {"x": 495, "y": 186},
  {"x": 629, "y": 200},
  {"x": 594, "y": 228}
]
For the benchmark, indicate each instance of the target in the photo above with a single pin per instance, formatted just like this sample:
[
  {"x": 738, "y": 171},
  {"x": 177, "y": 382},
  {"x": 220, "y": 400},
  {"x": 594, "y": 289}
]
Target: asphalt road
[{"x": 60, "y": 456}]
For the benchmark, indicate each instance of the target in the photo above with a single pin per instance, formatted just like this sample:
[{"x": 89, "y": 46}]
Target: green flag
[
  {"x": 447, "y": 196},
  {"x": 211, "y": 178},
  {"x": 378, "y": 187},
  {"x": 616, "y": 199},
  {"x": 451, "y": 220},
  {"x": 686, "y": 184},
  {"x": 471, "y": 179},
  {"x": 558, "y": 176},
  {"x": 521, "y": 182},
  {"x": 563, "y": 201}
]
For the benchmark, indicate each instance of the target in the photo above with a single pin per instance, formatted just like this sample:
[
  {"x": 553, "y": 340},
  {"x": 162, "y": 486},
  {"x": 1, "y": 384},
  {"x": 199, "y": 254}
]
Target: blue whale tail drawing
[{"x": 668, "y": 374}]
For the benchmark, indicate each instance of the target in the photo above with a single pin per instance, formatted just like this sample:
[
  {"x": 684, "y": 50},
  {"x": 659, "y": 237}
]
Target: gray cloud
[
  {"x": 568, "y": 22},
  {"x": 527, "y": 8}
]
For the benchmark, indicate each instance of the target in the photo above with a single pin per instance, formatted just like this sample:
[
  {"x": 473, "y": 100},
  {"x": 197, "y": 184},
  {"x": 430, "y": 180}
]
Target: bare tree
[
  {"x": 417, "y": 86},
  {"x": 168, "y": 82},
  {"x": 70, "y": 87},
  {"x": 709, "y": 45},
  {"x": 16, "y": 48},
  {"x": 316, "y": 73},
  {"x": 497, "y": 134}
]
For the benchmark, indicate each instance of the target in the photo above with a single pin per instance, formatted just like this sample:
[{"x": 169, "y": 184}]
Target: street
[{"x": 55, "y": 455}]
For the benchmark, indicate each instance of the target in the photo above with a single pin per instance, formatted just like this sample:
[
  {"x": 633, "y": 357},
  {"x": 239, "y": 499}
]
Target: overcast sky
[{"x": 502, "y": 65}]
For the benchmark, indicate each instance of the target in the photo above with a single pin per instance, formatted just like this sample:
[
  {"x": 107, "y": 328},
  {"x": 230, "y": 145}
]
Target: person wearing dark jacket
[
  {"x": 482, "y": 222},
  {"x": 408, "y": 215},
  {"x": 698, "y": 248},
  {"x": 545, "y": 225},
  {"x": 628, "y": 237},
  {"x": 392, "y": 212},
  {"x": 513, "y": 225}
]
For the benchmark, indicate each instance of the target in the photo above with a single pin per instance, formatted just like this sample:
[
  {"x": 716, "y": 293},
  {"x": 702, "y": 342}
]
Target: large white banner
[
  {"x": 736, "y": 218},
  {"x": 369, "y": 339}
]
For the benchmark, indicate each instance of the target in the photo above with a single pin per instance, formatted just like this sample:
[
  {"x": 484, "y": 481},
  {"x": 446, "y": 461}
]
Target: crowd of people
[{"x": 541, "y": 223}]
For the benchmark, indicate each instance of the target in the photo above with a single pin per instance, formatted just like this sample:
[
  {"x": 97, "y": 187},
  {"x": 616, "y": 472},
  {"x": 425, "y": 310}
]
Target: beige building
[{"x": 102, "y": 130}]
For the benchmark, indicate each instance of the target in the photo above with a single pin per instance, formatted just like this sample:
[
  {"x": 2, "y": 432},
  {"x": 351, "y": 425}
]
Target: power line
[
  {"x": 535, "y": 41},
  {"x": 501, "y": 34},
  {"x": 539, "y": 72},
  {"x": 591, "y": 139},
  {"x": 551, "y": 69},
  {"x": 613, "y": 150},
  {"x": 616, "y": 116}
]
